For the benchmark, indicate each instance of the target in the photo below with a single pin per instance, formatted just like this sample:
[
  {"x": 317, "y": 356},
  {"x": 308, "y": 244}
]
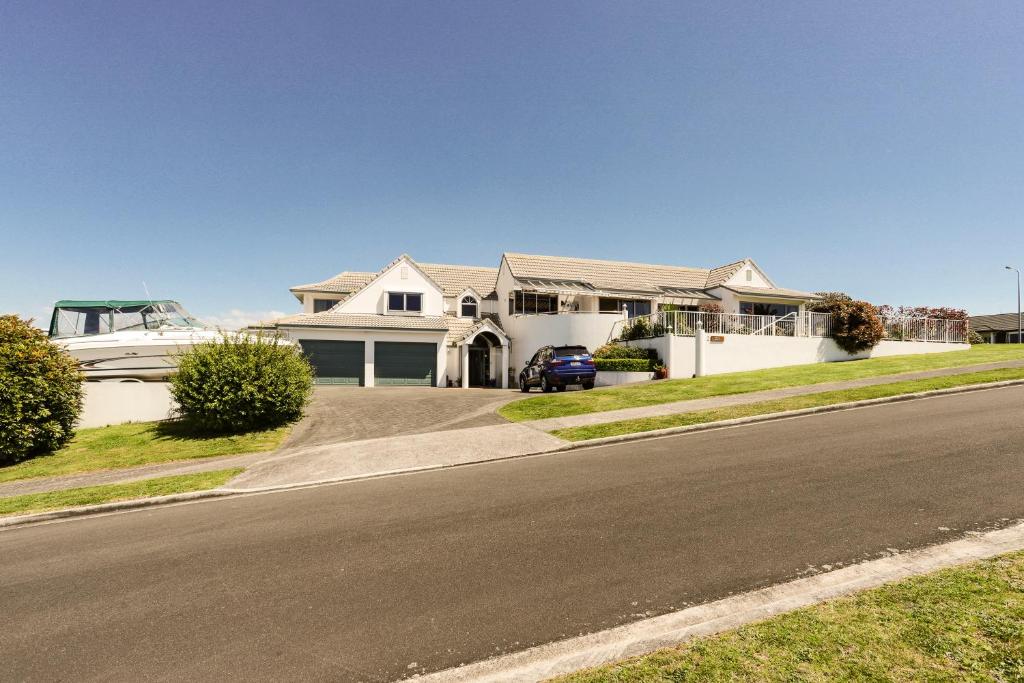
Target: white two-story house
[{"x": 449, "y": 325}]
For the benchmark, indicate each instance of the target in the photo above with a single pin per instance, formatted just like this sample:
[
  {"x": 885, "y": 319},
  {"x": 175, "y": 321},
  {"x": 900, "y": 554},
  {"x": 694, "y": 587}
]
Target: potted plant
[{"x": 660, "y": 371}]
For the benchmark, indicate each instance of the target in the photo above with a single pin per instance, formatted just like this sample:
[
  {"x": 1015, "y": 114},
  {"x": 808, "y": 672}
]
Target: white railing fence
[{"x": 806, "y": 324}]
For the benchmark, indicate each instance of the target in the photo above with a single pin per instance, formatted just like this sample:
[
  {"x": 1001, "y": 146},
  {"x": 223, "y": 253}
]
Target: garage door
[
  {"x": 335, "y": 362},
  {"x": 404, "y": 363}
]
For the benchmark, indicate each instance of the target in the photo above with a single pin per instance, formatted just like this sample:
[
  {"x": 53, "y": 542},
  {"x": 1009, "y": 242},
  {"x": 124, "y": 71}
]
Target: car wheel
[
  {"x": 523, "y": 386},
  {"x": 544, "y": 386},
  {"x": 588, "y": 385}
]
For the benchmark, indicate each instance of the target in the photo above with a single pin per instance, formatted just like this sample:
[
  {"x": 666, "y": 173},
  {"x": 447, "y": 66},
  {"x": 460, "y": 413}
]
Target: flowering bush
[
  {"x": 40, "y": 392},
  {"x": 855, "y": 324}
]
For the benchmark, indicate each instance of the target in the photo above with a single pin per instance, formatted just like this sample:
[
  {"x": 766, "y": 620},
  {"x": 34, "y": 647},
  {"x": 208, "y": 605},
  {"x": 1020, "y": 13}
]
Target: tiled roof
[
  {"x": 342, "y": 283},
  {"x": 454, "y": 279},
  {"x": 606, "y": 275},
  {"x": 368, "y": 321},
  {"x": 717, "y": 276},
  {"x": 997, "y": 322},
  {"x": 771, "y": 291},
  {"x": 460, "y": 328}
]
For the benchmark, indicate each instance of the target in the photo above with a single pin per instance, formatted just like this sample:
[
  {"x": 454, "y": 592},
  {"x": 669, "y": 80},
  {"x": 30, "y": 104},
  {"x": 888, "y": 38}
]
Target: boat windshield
[{"x": 80, "y": 321}]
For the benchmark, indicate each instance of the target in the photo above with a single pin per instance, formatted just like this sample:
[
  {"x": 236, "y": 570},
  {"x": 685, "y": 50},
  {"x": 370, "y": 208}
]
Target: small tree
[
  {"x": 40, "y": 392},
  {"x": 242, "y": 383}
]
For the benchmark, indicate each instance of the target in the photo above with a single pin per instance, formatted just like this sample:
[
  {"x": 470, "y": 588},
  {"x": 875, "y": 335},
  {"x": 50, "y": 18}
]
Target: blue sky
[{"x": 223, "y": 152}]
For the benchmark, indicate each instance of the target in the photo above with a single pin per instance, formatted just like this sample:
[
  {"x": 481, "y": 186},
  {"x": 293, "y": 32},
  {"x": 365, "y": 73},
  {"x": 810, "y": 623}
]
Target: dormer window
[
  {"x": 469, "y": 307},
  {"x": 409, "y": 302}
]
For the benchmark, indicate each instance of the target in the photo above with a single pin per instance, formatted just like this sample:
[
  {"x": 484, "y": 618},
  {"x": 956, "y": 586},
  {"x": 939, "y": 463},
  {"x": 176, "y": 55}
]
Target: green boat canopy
[{"x": 111, "y": 303}]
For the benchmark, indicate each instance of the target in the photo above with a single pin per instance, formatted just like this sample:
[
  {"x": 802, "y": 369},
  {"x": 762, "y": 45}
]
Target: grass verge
[
  {"x": 91, "y": 495},
  {"x": 961, "y": 624},
  {"x": 824, "y": 398},
  {"x": 142, "y": 443},
  {"x": 667, "y": 391}
]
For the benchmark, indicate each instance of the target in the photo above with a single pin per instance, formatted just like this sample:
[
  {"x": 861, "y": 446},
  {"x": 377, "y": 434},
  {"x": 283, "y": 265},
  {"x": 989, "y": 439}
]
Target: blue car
[{"x": 556, "y": 367}]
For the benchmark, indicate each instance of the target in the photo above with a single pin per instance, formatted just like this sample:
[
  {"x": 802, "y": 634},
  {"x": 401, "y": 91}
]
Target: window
[
  {"x": 750, "y": 275},
  {"x": 532, "y": 303},
  {"x": 469, "y": 307},
  {"x": 405, "y": 301},
  {"x": 757, "y": 308},
  {"x": 634, "y": 307},
  {"x": 321, "y": 305}
]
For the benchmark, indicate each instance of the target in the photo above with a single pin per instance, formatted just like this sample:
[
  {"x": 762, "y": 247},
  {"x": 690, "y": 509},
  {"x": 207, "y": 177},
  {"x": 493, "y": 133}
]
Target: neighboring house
[
  {"x": 1000, "y": 328},
  {"x": 434, "y": 324}
]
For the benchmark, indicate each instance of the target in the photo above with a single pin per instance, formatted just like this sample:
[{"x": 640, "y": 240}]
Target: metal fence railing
[{"x": 805, "y": 324}]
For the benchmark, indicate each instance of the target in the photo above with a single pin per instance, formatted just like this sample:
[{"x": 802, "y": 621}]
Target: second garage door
[{"x": 406, "y": 363}]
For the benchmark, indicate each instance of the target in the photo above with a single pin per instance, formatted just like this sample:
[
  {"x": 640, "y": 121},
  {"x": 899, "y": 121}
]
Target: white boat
[{"x": 127, "y": 340}]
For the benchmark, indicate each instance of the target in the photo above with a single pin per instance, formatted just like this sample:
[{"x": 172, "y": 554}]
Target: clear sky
[{"x": 222, "y": 152}]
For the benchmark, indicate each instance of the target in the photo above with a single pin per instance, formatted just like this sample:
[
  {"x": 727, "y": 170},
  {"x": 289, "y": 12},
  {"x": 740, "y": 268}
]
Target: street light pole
[{"x": 1020, "y": 340}]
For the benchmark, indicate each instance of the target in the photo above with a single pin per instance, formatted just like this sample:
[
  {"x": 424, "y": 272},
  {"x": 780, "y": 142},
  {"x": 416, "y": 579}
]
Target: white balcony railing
[{"x": 806, "y": 324}]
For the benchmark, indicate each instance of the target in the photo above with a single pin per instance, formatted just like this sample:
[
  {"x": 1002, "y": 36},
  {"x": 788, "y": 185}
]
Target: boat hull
[{"x": 140, "y": 356}]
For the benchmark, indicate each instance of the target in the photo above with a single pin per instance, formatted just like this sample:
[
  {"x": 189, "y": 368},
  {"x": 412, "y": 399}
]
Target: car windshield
[
  {"x": 80, "y": 321},
  {"x": 569, "y": 351}
]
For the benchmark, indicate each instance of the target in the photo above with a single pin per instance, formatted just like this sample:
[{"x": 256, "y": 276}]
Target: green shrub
[
  {"x": 625, "y": 364},
  {"x": 974, "y": 338},
  {"x": 40, "y": 392},
  {"x": 242, "y": 384},
  {"x": 623, "y": 351}
]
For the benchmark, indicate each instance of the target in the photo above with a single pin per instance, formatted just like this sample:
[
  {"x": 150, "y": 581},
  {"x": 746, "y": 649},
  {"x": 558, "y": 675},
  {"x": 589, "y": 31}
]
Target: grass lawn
[
  {"x": 91, "y": 495},
  {"x": 143, "y": 443},
  {"x": 961, "y": 624},
  {"x": 667, "y": 391},
  {"x": 778, "y": 405}
]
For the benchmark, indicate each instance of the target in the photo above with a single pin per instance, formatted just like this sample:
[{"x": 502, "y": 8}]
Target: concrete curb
[
  {"x": 641, "y": 637},
  {"x": 22, "y": 520},
  {"x": 7, "y": 522}
]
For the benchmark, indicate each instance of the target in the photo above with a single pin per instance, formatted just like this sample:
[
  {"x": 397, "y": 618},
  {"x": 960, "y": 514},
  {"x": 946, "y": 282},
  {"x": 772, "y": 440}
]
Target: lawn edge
[
  {"x": 648, "y": 635},
  {"x": 781, "y": 415},
  {"x": 225, "y": 491}
]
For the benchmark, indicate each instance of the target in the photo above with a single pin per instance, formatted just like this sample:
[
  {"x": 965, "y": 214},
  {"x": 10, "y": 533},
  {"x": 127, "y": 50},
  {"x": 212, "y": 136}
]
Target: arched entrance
[{"x": 484, "y": 359}]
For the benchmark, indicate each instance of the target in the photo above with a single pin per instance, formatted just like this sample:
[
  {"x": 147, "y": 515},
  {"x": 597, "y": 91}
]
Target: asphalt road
[{"x": 381, "y": 579}]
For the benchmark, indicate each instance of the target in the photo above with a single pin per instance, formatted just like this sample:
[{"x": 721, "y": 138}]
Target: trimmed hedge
[
  {"x": 621, "y": 351},
  {"x": 40, "y": 392},
  {"x": 625, "y": 364},
  {"x": 242, "y": 384}
]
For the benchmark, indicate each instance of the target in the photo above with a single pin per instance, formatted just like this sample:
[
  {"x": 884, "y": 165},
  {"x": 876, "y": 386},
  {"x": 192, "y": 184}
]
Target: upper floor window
[
  {"x": 532, "y": 302},
  {"x": 405, "y": 301},
  {"x": 469, "y": 307},
  {"x": 750, "y": 275},
  {"x": 321, "y": 305}
]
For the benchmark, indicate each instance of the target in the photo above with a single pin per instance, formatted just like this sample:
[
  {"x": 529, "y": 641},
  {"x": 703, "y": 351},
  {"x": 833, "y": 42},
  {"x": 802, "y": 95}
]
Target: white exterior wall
[
  {"x": 530, "y": 332},
  {"x": 748, "y": 352},
  {"x": 369, "y": 337},
  {"x": 401, "y": 277},
  {"x": 609, "y": 378},
  {"x": 114, "y": 403}
]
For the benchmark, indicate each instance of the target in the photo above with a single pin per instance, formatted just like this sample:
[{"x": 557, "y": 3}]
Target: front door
[{"x": 479, "y": 363}]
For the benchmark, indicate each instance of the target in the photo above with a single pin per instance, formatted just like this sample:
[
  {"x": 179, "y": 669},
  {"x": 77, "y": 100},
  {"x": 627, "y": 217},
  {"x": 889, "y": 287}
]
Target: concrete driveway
[{"x": 356, "y": 413}]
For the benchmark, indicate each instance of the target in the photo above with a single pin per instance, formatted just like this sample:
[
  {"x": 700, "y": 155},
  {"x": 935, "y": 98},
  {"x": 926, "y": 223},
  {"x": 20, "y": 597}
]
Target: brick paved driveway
[{"x": 355, "y": 413}]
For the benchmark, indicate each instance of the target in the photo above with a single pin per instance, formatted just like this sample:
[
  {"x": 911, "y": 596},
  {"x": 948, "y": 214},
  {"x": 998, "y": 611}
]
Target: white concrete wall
[
  {"x": 530, "y": 332},
  {"x": 401, "y": 277},
  {"x": 747, "y": 352},
  {"x": 114, "y": 403},
  {"x": 369, "y": 337}
]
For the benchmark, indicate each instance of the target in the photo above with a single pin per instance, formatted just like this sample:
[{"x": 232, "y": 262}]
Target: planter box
[{"x": 609, "y": 378}]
